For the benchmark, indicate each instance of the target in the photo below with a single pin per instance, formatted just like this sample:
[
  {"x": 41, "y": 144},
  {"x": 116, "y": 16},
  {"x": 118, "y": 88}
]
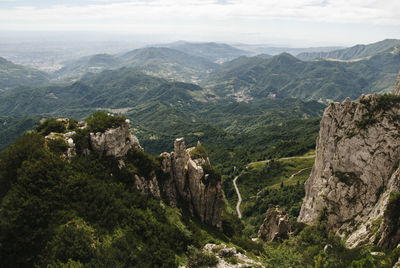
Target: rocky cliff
[
  {"x": 114, "y": 141},
  {"x": 356, "y": 177},
  {"x": 187, "y": 181},
  {"x": 183, "y": 178},
  {"x": 193, "y": 184}
]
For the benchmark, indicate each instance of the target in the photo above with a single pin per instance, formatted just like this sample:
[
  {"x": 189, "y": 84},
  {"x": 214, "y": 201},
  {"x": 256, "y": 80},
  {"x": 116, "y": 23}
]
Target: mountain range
[
  {"x": 361, "y": 69},
  {"x": 90, "y": 182},
  {"x": 286, "y": 76},
  {"x": 265, "y": 91},
  {"x": 12, "y": 75},
  {"x": 357, "y": 52}
]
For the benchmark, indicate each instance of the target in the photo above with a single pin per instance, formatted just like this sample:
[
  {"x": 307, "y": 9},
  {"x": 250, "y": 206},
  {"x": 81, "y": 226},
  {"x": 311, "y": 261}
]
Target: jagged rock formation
[
  {"x": 114, "y": 141},
  {"x": 190, "y": 186},
  {"x": 396, "y": 90},
  {"x": 355, "y": 177},
  {"x": 185, "y": 178},
  {"x": 275, "y": 226}
]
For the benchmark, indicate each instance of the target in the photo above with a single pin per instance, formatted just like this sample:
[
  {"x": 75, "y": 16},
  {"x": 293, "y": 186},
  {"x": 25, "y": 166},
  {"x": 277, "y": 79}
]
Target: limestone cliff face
[
  {"x": 190, "y": 186},
  {"x": 114, "y": 141},
  {"x": 356, "y": 171}
]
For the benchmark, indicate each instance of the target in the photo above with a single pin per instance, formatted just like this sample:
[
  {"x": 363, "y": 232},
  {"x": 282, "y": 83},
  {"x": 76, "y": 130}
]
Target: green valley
[{"x": 130, "y": 159}]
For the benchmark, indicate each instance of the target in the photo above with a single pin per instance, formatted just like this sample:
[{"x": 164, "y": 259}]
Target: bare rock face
[
  {"x": 188, "y": 185},
  {"x": 355, "y": 175},
  {"x": 114, "y": 141},
  {"x": 275, "y": 226},
  {"x": 148, "y": 186},
  {"x": 396, "y": 90}
]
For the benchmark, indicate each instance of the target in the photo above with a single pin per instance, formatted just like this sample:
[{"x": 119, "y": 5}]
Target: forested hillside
[
  {"x": 286, "y": 76},
  {"x": 355, "y": 52},
  {"x": 12, "y": 75}
]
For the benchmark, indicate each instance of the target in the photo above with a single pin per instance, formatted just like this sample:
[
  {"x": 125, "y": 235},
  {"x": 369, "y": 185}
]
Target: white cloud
[
  {"x": 217, "y": 16},
  {"x": 337, "y": 11}
]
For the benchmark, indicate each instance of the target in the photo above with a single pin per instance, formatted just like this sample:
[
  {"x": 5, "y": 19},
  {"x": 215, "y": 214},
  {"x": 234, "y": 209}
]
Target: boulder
[{"x": 276, "y": 225}]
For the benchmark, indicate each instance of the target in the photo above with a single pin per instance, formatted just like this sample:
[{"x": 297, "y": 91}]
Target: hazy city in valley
[{"x": 200, "y": 133}]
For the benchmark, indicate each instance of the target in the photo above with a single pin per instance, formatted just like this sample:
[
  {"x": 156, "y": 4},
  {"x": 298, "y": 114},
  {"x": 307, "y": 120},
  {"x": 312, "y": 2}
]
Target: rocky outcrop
[
  {"x": 276, "y": 225},
  {"x": 224, "y": 254},
  {"x": 114, "y": 141},
  {"x": 66, "y": 138},
  {"x": 185, "y": 178},
  {"x": 396, "y": 90},
  {"x": 191, "y": 186},
  {"x": 355, "y": 177},
  {"x": 148, "y": 186}
]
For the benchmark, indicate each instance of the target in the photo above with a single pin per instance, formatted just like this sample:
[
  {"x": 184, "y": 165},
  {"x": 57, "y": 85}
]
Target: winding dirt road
[
  {"x": 283, "y": 158},
  {"x": 239, "y": 198}
]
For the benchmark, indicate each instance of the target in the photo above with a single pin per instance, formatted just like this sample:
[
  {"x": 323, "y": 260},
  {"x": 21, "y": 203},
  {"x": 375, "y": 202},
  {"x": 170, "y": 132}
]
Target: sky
[{"x": 285, "y": 22}]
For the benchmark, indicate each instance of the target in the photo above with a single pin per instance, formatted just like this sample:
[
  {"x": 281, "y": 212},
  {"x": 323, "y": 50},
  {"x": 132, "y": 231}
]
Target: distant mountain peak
[{"x": 285, "y": 57}]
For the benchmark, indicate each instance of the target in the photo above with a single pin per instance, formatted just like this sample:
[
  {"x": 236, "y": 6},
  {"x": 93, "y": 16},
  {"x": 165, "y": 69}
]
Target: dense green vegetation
[
  {"x": 286, "y": 76},
  {"x": 160, "y": 111},
  {"x": 86, "y": 212},
  {"x": 383, "y": 103},
  {"x": 276, "y": 182},
  {"x": 101, "y": 121},
  {"x": 308, "y": 248},
  {"x": 11, "y": 127}
]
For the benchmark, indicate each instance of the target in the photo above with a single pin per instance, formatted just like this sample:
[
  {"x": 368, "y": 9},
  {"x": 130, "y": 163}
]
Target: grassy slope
[{"x": 261, "y": 181}]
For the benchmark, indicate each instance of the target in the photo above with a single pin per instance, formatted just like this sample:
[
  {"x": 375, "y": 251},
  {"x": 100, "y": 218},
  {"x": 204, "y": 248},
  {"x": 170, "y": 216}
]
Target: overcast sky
[{"x": 293, "y": 22}]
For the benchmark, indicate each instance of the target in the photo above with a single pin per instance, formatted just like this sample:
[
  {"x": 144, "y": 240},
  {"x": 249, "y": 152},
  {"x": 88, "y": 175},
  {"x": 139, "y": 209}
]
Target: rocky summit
[
  {"x": 355, "y": 180},
  {"x": 193, "y": 184},
  {"x": 114, "y": 141}
]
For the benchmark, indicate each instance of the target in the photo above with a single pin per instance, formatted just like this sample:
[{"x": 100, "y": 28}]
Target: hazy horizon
[{"x": 304, "y": 23}]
